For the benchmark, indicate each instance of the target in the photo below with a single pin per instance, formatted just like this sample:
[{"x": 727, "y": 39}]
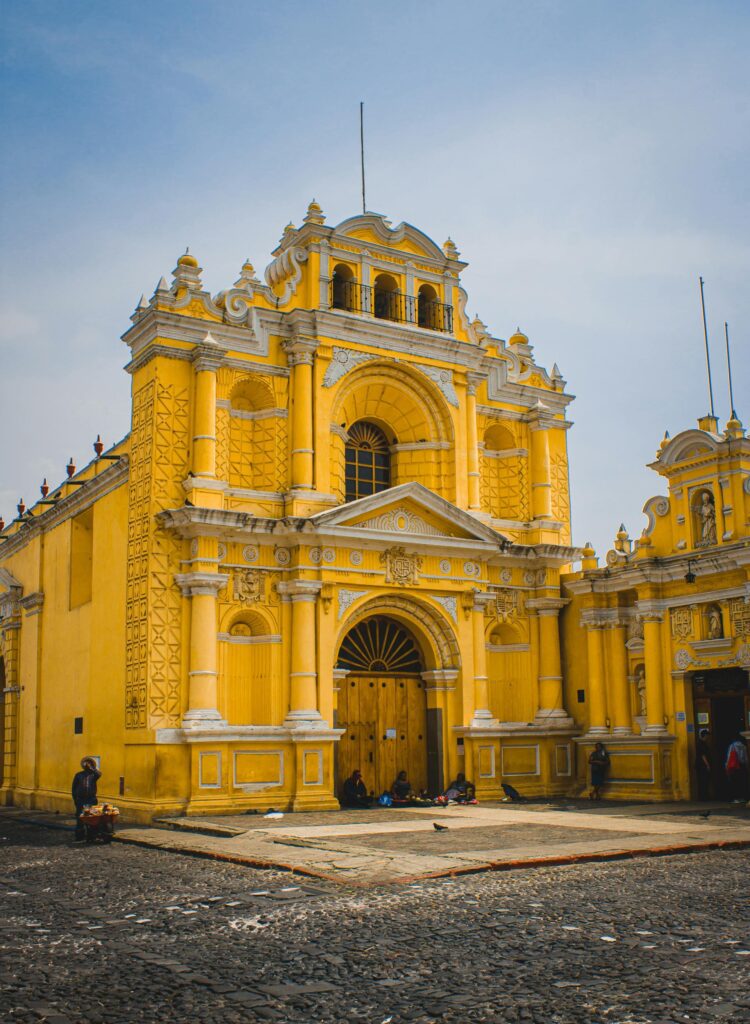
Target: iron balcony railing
[{"x": 391, "y": 305}]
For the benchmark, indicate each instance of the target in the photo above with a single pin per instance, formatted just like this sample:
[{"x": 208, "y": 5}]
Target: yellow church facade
[{"x": 337, "y": 536}]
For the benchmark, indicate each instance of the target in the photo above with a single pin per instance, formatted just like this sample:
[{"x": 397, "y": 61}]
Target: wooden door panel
[{"x": 370, "y": 706}]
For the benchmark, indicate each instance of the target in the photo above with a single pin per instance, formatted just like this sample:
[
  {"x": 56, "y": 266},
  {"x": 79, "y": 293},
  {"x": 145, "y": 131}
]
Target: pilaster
[
  {"x": 551, "y": 705},
  {"x": 202, "y": 588},
  {"x": 303, "y": 675}
]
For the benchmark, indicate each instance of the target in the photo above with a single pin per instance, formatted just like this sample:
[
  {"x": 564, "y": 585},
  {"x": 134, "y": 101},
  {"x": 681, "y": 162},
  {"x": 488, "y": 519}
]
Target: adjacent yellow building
[
  {"x": 333, "y": 538},
  {"x": 657, "y": 642}
]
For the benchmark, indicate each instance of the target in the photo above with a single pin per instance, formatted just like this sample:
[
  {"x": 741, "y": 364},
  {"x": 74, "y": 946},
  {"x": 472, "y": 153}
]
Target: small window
[
  {"x": 368, "y": 461},
  {"x": 78, "y": 726}
]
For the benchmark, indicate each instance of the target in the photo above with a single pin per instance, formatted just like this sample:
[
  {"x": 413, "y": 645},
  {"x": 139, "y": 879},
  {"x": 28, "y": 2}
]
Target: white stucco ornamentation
[
  {"x": 400, "y": 520},
  {"x": 444, "y": 381},
  {"x": 250, "y": 553},
  {"x": 347, "y": 599},
  {"x": 343, "y": 360},
  {"x": 450, "y": 605}
]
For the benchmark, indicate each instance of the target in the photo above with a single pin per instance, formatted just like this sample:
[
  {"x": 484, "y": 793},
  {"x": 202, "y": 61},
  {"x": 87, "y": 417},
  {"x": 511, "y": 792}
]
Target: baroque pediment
[{"x": 408, "y": 510}]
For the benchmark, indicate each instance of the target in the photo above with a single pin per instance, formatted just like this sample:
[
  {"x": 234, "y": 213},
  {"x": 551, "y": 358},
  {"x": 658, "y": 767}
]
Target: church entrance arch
[{"x": 382, "y": 704}]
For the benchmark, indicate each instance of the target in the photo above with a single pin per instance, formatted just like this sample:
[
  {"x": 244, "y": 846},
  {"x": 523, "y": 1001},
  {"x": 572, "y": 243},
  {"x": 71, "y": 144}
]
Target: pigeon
[
  {"x": 706, "y": 815},
  {"x": 511, "y": 792},
  {"x": 439, "y": 828}
]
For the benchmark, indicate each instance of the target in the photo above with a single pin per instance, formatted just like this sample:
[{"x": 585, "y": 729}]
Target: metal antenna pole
[
  {"x": 362, "y": 151},
  {"x": 708, "y": 357},
  {"x": 729, "y": 372}
]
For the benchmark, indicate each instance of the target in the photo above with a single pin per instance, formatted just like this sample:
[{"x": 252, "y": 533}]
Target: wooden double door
[{"x": 385, "y": 718}]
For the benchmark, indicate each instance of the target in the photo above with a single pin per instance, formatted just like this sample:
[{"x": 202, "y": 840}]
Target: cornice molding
[{"x": 79, "y": 500}]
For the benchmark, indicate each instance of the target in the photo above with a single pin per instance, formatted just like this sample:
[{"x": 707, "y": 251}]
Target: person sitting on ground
[
  {"x": 458, "y": 790},
  {"x": 401, "y": 791},
  {"x": 354, "y": 791}
]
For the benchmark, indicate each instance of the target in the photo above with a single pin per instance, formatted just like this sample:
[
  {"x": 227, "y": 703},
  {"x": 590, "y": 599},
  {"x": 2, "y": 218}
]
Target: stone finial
[
  {"x": 247, "y": 279},
  {"x": 450, "y": 250},
  {"x": 664, "y": 441},
  {"x": 589, "y": 559},
  {"x": 518, "y": 338},
  {"x": 315, "y": 213},
  {"x": 480, "y": 328},
  {"x": 622, "y": 540},
  {"x": 162, "y": 286},
  {"x": 734, "y": 427},
  {"x": 187, "y": 273},
  {"x": 142, "y": 304}
]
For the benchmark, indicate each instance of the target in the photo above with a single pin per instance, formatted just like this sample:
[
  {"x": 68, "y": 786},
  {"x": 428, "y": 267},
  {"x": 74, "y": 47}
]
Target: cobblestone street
[{"x": 124, "y": 934}]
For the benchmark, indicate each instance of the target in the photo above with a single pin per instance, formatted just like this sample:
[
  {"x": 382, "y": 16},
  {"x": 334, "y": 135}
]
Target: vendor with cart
[{"x": 84, "y": 793}]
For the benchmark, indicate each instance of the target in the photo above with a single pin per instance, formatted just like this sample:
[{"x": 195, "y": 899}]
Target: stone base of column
[
  {"x": 598, "y": 730},
  {"x": 622, "y": 730},
  {"x": 311, "y": 719},
  {"x": 483, "y": 719},
  {"x": 553, "y": 718},
  {"x": 312, "y": 802},
  {"x": 203, "y": 718},
  {"x": 655, "y": 730}
]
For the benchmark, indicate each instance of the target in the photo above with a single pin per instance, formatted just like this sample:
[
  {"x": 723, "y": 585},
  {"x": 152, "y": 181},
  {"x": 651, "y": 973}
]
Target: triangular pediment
[{"x": 409, "y": 510}]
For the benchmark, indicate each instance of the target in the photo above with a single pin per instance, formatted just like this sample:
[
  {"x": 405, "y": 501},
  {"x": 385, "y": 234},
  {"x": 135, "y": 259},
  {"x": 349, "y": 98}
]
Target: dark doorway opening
[{"x": 721, "y": 704}]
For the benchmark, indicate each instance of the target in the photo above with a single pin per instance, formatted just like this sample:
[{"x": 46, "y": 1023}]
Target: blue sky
[{"x": 590, "y": 159}]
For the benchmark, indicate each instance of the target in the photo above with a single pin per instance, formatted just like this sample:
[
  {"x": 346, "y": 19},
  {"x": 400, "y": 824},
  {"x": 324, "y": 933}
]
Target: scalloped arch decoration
[
  {"x": 389, "y": 394},
  {"x": 431, "y": 630}
]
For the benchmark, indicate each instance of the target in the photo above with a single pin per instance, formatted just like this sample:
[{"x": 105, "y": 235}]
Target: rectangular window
[
  {"x": 77, "y": 726},
  {"x": 81, "y": 557}
]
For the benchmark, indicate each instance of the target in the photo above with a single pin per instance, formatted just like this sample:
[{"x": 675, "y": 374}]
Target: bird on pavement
[
  {"x": 439, "y": 828},
  {"x": 706, "y": 815}
]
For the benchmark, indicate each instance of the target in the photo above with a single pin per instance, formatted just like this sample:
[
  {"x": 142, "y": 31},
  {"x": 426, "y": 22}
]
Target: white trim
[
  {"x": 309, "y": 753},
  {"x": 229, "y": 638},
  {"x": 492, "y": 772},
  {"x": 252, "y": 786},
  {"x": 520, "y": 746},
  {"x": 209, "y": 785},
  {"x": 568, "y": 759}
]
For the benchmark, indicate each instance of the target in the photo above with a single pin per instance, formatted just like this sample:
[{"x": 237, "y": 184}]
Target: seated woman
[
  {"x": 354, "y": 791},
  {"x": 401, "y": 791},
  {"x": 460, "y": 791}
]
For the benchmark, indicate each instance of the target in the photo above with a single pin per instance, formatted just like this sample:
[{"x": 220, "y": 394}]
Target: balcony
[{"x": 389, "y": 304}]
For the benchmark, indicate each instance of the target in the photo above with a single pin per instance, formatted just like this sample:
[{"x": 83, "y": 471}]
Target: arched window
[
  {"x": 344, "y": 293},
  {"x": 428, "y": 308},
  {"x": 386, "y": 298},
  {"x": 368, "y": 461}
]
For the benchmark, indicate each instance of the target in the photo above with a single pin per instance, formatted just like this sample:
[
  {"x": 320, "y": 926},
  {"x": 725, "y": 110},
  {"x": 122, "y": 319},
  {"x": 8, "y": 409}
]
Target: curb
[{"x": 560, "y": 860}]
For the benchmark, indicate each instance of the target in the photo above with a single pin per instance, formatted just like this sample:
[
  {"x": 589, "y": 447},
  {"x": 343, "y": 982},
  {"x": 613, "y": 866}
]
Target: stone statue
[
  {"x": 640, "y": 685},
  {"x": 707, "y": 514},
  {"x": 715, "y": 625}
]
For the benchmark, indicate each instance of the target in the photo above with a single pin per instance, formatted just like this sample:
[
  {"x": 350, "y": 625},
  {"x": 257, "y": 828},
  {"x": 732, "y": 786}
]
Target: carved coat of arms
[
  {"x": 682, "y": 622},
  {"x": 401, "y": 568},
  {"x": 249, "y": 585}
]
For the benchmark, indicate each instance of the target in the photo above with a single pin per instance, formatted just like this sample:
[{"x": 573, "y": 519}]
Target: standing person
[
  {"x": 703, "y": 765},
  {"x": 84, "y": 792},
  {"x": 735, "y": 765},
  {"x": 599, "y": 761}
]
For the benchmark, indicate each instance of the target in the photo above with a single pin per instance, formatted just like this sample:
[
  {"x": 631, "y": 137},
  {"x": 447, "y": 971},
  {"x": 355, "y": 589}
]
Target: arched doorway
[{"x": 382, "y": 705}]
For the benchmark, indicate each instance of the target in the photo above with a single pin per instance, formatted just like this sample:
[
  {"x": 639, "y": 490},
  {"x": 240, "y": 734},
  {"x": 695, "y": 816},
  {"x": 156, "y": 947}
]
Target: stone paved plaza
[{"x": 126, "y": 934}]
